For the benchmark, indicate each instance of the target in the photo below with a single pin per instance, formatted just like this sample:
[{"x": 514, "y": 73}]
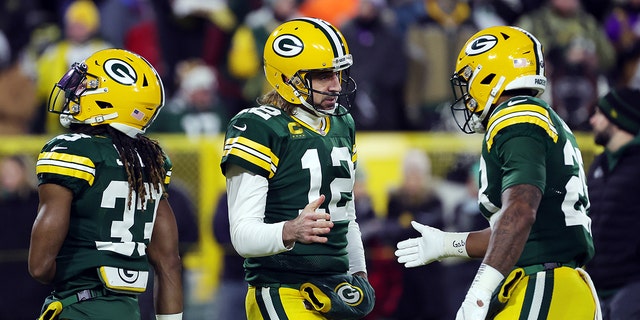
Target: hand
[
  {"x": 475, "y": 305},
  {"x": 415, "y": 252},
  {"x": 309, "y": 226}
]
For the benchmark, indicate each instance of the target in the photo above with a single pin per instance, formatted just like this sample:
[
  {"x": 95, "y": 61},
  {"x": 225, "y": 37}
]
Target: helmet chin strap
[
  {"x": 67, "y": 119},
  {"x": 476, "y": 120},
  {"x": 310, "y": 107}
]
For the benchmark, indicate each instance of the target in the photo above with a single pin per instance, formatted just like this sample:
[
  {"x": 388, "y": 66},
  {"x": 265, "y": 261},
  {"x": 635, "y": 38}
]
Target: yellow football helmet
[
  {"x": 112, "y": 86},
  {"x": 494, "y": 60},
  {"x": 304, "y": 45}
]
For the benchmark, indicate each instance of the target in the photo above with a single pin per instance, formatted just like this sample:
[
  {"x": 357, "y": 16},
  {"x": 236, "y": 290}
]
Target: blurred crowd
[{"x": 209, "y": 53}]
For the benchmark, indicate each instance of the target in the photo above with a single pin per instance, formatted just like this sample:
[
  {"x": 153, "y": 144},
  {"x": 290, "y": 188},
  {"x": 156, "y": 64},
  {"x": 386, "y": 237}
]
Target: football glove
[
  {"x": 341, "y": 297},
  {"x": 433, "y": 245},
  {"x": 476, "y": 303}
]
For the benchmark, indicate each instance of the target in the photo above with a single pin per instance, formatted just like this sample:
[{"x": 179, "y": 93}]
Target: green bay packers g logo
[
  {"x": 129, "y": 276},
  {"x": 288, "y": 45},
  {"x": 480, "y": 45},
  {"x": 350, "y": 294},
  {"x": 120, "y": 71}
]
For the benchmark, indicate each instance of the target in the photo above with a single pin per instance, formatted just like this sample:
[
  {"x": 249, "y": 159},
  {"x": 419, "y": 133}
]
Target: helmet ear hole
[
  {"x": 488, "y": 79},
  {"x": 104, "y": 104}
]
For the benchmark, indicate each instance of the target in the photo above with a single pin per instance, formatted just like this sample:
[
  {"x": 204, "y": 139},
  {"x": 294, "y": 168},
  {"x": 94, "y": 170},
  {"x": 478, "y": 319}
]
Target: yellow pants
[
  {"x": 556, "y": 294},
  {"x": 277, "y": 304}
]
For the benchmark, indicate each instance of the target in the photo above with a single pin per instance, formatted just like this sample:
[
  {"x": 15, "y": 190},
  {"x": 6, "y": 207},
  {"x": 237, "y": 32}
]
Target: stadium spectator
[
  {"x": 612, "y": 181},
  {"x": 19, "y": 203},
  {"x": 80, "y": 39},
  {"x": 381, "y": 69},
  {"x": 622, "y": 24},
  {"x": 578, "y": 54},
  {"x": 196, "y": 108},
  {"x": 449, "y": 24},
  {"x": 244, "y": 57},
  {"x": 415, "y": 199},
  {"x": 18, "y": 103}
]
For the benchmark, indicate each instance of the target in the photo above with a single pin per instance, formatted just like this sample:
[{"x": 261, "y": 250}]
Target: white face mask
[{"x": 634, "y": 82}]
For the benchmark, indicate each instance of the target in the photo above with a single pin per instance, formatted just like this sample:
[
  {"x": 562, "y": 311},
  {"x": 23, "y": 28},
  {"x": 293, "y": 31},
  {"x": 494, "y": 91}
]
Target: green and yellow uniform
[
  {"x": 300, "y": 163},
  {"x": 526, "y": 142},
  {"x": 105, "y": 248}
]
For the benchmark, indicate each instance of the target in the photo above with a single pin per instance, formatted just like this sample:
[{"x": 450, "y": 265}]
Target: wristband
[
  {"x": 487, "y": 278},
  {"x": 175, "y": 316},
  {"x": 455, "y": 244}
]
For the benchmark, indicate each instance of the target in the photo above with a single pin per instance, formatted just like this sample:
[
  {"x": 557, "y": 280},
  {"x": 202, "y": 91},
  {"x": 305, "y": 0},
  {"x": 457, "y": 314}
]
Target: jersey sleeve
[
  {"x": 526, "y": 116},
  {"x": 251, "y": 141},
  {"x": 68, "y": 160},
  {"x": 523, "y": 162},
  {"x": 520, "y": 134}
]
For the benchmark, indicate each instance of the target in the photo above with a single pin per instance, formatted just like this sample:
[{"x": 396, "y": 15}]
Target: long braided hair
[{"x": 133, "y": 153}]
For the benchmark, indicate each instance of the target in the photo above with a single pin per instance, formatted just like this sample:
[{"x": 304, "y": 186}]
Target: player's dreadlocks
[{"x": 133, "y": 153}]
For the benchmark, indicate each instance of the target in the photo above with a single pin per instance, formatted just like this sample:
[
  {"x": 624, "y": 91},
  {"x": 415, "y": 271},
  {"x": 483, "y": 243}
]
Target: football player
[
  {"x": 103, "y": 216},
  {"x": 532, "y": 190},
  {"x": 289, "y": 165}
]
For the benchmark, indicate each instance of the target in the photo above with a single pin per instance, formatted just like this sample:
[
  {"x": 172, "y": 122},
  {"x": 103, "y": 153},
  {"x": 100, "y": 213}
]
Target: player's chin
[{"x": 328, "y": 104}]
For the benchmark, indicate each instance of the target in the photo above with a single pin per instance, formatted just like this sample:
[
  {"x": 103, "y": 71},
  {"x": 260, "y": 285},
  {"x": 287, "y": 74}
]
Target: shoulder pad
[{"x": 520, "y": 110}]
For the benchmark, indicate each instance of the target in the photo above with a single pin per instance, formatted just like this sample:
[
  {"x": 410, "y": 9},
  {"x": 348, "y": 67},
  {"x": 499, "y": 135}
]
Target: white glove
[
  {"x": 433, "y": 245},
  {"x": 476, "y": 303}
]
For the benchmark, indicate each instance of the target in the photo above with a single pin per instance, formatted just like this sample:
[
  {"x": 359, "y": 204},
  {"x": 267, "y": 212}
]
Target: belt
[
  {"x": 83, "y": 295},
  {"x": 277, "y": 285},
  {"x": 535, "y": 268},
  {"x": 54, "y": 308}
]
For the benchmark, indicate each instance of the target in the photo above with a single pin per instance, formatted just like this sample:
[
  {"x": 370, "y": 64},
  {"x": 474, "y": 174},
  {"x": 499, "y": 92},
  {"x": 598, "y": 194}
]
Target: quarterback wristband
[
  {"x": 455, "y": 244},
  {"x": 175, "y": 316}
]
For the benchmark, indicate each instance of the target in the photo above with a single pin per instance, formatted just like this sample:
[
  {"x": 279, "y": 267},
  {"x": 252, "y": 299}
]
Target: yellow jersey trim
[
  {"x": 67, "y": 165},
  {"x": 252, "y": 152},
  {"x": 526, "y": 113}
]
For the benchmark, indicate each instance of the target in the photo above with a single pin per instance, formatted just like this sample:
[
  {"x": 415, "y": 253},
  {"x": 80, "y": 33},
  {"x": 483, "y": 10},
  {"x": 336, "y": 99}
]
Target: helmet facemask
[
  {"x": 65, "y": 95},
  {"x": 67, "y": 92},
  {"x": 465, "y": 108},
  {"x": 303, "y": 89}
]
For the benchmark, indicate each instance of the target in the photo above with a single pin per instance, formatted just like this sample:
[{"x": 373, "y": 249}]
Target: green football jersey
[
  {"x": 300, "y": 164},
  {"x": 545, "y": 155},
  {"x": 103, "y": 229}
]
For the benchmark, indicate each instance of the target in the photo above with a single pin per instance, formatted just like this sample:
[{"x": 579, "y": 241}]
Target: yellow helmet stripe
[
  {"x": 537, "y": 48},
  {"x": 339, "y": 48}
]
